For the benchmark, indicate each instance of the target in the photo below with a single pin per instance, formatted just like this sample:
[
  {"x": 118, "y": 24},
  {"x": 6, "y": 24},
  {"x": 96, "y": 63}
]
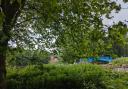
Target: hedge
[{"x": 79, "y": 76}]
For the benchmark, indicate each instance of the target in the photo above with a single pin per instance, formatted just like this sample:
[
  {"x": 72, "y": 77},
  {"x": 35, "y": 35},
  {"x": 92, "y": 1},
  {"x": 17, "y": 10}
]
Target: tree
[
  {"x": 10, "y": 10},
  {"x": 117, "y": 36},
  {"x": 30, "y": 22},
  {"x": 81, "y": 28}
]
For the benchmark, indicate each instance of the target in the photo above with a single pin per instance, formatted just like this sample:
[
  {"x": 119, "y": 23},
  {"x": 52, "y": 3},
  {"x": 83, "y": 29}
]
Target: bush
[
  {"x": 117, "y": 80},
  {"x": 56, "y": 77},
  {"x": 27, "y": 57},
  {"x": 79, "y": 76}
]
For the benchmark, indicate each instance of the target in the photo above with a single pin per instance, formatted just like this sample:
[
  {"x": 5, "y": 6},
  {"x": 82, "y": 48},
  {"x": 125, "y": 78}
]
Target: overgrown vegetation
[
  {"x": 72, "y": 29},
  {"x": 123, "y": 61},
  {"x": 27, "y": 57},
  {"x": 65, "y": 77}
]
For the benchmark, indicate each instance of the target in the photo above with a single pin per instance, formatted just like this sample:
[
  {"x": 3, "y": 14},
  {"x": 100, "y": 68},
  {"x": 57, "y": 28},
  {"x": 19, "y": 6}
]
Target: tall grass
[{"x": 120, "y": 61}]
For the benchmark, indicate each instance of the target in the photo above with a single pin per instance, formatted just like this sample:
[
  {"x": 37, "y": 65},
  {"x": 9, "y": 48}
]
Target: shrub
[
  {"x": 117, "y": 80},
  {"x": 79, "y": 76},
  {"x": 56, "y": 77}
]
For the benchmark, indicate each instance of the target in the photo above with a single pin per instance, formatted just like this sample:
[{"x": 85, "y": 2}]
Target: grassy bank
[{"x": 120, "y": 61}]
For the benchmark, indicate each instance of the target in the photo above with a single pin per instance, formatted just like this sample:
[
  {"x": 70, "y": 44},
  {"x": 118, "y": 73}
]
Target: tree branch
[{"x": 27, "y": 20}]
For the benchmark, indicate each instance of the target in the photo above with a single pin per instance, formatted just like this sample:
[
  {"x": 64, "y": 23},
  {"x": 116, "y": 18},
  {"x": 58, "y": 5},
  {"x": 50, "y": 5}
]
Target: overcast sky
[{"x": 121, "y": 16}]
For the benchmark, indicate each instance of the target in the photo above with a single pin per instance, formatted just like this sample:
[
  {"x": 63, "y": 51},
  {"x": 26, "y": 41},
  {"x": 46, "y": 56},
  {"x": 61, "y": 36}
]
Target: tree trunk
[
  {"x": 11, "y": 12},
  {"x": 3, "y": 48},
  {"x": 4, "y": 38}
]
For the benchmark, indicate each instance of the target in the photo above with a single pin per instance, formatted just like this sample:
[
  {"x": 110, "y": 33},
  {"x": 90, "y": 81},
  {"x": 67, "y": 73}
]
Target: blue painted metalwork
[
  {"x": 90, "y": 59},
  {"x": 105, "y": 59},
  {"x": 101, "y": 59}
]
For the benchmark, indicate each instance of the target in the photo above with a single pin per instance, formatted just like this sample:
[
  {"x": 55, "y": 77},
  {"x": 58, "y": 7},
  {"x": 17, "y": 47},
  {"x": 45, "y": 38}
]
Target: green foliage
[
  {"x": 67, "y": 21},
  {"x": 97, "y": 42},
  {"x": 117, "y": 37},
  {"x": 120, "y": 61},
  {"x": 75, "y": 25},
  {"x": 69, "y": 55},
  {"x": 65, "y": 77},
  {"x": 56, "y": 77},
  {"x": 16, "y": 57},
  {"x": 118, "y": 80},
  {"x": 59, "y": 20},
  {"x": 117, "y": 33}
]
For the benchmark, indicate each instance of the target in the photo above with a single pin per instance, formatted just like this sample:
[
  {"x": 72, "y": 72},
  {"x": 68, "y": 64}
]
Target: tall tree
[
  {"x": 117, "y": 36},
  {"x": 10, "y": 10},
  {"x": 81, "y": 28},
  {"x": 32, "y": 22}
]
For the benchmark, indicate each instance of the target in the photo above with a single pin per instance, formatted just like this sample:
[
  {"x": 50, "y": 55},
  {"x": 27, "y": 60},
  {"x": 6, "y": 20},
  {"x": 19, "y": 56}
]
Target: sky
[{"x": 122, "y": 15}]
